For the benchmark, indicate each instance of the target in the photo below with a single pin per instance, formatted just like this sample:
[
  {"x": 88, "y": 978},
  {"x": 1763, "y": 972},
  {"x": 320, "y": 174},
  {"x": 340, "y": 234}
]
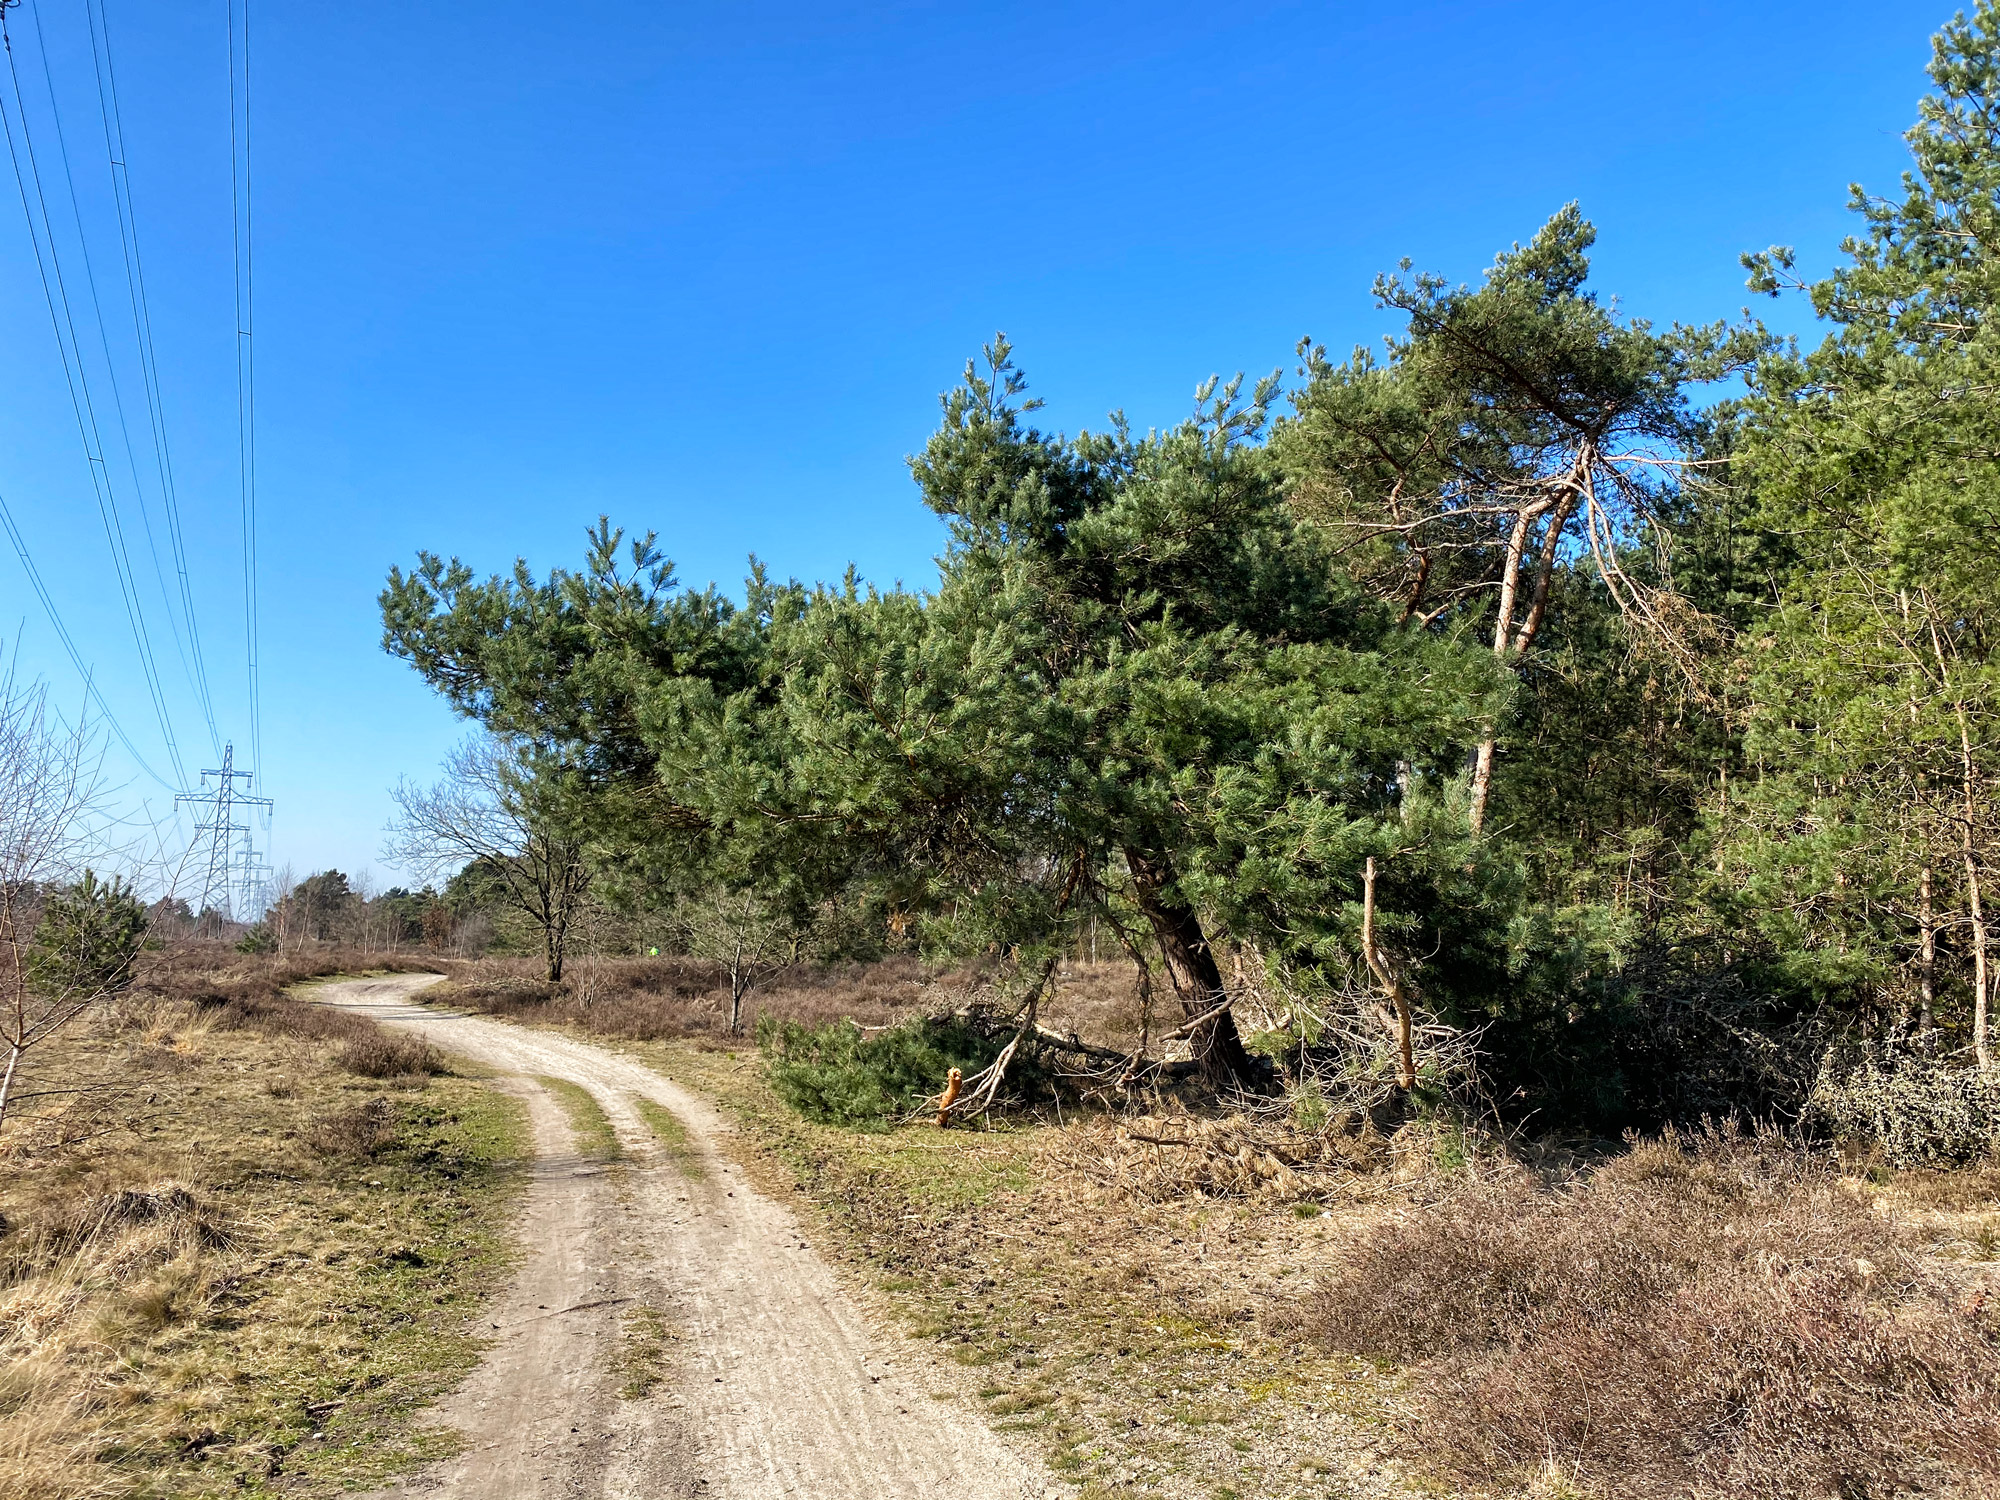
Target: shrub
[
  {"x": 1716, "y": 1314},
  {"x": 651, "y": 999},
  {"x": 385, "y": 1054},
  {"x": 1913, "y": 1111},
  {"x": 359, "y": 1045},
  {"x": 88, "y": 937},
  {"x": 362, "y": 1131},
  {"x": 840, "y": 1075}
]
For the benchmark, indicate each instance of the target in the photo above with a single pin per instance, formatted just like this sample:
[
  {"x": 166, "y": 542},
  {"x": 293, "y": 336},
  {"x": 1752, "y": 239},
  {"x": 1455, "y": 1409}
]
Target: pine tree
[{"x": 1867, "y": 832}]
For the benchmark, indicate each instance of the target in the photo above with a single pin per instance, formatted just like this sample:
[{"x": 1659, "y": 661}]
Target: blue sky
[{"x": 705, "y": 269}]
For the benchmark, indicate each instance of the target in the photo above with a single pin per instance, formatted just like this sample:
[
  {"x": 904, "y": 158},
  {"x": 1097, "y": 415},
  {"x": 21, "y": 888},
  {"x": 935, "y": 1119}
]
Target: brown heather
[
  {"x": 1716, "y": 1314},
  {"x": 672, "y": 998}
]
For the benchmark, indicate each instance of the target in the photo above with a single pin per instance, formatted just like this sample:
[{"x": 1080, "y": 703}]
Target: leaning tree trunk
[
  {"x": 1217, "y": 1045},
  {"x": 7, "y": 1083}
]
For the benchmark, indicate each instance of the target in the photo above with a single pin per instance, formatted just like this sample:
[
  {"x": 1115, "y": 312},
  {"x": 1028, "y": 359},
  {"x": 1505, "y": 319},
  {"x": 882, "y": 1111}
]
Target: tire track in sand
[{"x": 777, "y": 1387}]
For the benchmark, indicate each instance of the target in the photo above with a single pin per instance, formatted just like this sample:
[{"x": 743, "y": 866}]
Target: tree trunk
[
  {"x": 1482, "y": 781},
  {"x": 1926, "y": 953},
  {"x": 1981, "y": 975},
  {"x": 1400, "y": 1023},
  {"x": 1926, "y": 895},
  {"x": 7, "y": 1083},
  {"x": 555, "y": 938},
  {"x": 1503, "y": 640},
  {"x": 1509, "y": 644},
  {"x": 1981, "y": 979},
  {"x": 738, "y": 984},
  {"x": 1217, "y": 1045}
]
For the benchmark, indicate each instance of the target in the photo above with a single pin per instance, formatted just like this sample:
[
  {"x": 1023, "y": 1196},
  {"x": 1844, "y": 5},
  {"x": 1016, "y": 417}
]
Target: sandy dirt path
[{"x": 774, "y": 1386}]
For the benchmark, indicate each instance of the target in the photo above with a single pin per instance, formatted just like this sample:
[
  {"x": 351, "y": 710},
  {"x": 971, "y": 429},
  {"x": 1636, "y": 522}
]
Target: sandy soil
[{"x": 774, "y": 1386}]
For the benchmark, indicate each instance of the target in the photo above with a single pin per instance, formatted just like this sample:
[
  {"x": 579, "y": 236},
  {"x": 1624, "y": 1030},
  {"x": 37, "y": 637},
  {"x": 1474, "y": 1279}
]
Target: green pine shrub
[
  {"x": 88, "y": 938},
  {"x": 839, "y": 1074}
]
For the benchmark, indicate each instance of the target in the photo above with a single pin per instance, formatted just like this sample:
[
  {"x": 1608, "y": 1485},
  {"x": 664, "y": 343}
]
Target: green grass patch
[
  {"x": 1015, "y": 1403},
  {"x": 642, "y": 1352},
  {"x": 595, "y": 1139},
  {"x": 670, "y": 1133}
]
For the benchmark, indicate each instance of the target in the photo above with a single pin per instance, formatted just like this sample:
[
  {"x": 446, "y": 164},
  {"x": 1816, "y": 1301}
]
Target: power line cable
[
  {"x": 69, "y": 645},
  {"x": 76, "y": 375},
  {"x": 110, "y": 363},
  {"x": 105, "y": 70},
  {"x": 246, "y": 358}
]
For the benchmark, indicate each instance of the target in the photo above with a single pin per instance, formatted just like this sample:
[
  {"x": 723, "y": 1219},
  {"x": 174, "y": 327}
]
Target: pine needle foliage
[{"x": 838, "y": 1074}]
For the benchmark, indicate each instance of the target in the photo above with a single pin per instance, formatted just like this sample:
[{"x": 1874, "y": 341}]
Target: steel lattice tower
[{"x": 226, "y": 867}]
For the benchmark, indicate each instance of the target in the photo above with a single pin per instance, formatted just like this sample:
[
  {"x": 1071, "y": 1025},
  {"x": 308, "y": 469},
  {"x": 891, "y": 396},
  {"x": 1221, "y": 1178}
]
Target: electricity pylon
[{"x": 220, "y": 827}]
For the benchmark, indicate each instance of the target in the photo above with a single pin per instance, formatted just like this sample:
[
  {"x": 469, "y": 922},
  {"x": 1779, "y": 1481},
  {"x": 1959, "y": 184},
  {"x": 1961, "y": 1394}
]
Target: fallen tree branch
[
  {"x": 1189, "y": 1027},
  {"x": 1071, "y": 1042}
]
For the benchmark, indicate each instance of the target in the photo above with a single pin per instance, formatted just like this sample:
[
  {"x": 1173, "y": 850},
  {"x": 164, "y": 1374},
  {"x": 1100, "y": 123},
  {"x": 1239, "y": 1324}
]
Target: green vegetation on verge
[
  {"x": 596, "y": 1140},
  {"x": 670, "y": 1133}
]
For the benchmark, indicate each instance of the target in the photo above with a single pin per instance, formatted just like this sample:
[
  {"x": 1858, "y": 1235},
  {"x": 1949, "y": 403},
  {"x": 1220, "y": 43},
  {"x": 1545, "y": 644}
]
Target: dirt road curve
[{"x": 773, "y": 1385}]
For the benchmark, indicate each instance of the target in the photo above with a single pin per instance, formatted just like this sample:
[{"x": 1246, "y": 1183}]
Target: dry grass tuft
[
  {"x": 1716, "y": 1314},
  {"x": 170, "y": 1212}
]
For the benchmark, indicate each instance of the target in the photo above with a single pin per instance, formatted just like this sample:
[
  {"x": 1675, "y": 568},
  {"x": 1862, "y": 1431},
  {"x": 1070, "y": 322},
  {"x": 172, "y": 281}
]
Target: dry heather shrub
[
  {"x": 274, "y": 1015},
  {"x": 657, "y": 999},
  {"x": 1912, "y": 1111},
  {"x": 1709, "y": 1315},
  {"x": 674, "y": 998},
  {"x": 387, "y": 1054},
  {"x": 363, "y": 1131},
  {"x": 639, "y": 1000},
  {"x": 213, "y": 974},
  {"x": 254, "y": 999}
]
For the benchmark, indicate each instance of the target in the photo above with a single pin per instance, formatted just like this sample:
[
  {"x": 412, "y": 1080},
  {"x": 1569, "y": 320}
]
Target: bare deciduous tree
[
  {"x": 751, "y": 936},
  {"x": 50, "y": 776},
  {"x": 278, "y": 903},
  {"x": 483, "y": 813}
]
